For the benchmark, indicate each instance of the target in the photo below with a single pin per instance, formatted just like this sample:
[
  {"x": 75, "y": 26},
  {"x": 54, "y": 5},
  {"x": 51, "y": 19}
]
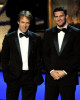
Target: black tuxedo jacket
[
  {"x": 12, "y": 60},
  {"x": 67, "y": 59}
]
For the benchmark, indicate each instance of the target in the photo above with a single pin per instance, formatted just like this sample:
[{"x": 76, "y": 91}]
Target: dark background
[{"x": 38, "y": 8}]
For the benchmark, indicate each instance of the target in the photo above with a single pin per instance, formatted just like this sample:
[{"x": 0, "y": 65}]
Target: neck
[{"x": 61, "y": 27}]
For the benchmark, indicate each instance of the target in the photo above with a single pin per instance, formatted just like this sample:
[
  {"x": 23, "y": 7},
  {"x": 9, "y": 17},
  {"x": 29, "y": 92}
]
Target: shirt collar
[{"x": 19, "y": 31}]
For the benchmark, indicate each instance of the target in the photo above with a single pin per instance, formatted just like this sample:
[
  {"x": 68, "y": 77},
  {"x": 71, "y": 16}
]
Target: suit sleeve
[
  {"x": 38, "y": 74},
  {"x": 46, "y": 53},
  {"x": 5, "y": 58},
  {"x": 73, "y": 62}
]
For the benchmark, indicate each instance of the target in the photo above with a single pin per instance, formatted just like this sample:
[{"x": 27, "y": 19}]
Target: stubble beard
[{"x": 62, "y": 24}]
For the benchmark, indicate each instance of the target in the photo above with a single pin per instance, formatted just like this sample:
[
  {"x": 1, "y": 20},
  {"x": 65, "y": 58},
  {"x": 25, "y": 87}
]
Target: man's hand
[
  {"x": 61, "y": 73},
  {"x": 57, "y": 74}
]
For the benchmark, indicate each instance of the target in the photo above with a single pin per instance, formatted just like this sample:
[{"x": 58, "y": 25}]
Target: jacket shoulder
[
  {"x": 10, "y": 34},
  {"x": 51, "y": 29},
  {"x": 74, "y": 28},
  {"x": 34, "y": 34}
]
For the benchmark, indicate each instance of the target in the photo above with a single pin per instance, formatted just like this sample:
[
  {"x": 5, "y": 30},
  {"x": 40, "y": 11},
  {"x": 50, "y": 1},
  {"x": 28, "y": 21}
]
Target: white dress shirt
[
  {"x": 24, "y": 43},
  {"x": 61, "y": 35}
]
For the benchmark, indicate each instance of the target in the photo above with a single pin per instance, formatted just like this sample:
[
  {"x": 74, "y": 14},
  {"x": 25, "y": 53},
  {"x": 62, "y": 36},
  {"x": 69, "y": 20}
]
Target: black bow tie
[
  {"x": 22, "y": 35},
  {"x": 64, "y": 30}
]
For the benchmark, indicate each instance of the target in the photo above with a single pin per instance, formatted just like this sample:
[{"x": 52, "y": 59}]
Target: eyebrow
[{"x": 58, "y": 16}]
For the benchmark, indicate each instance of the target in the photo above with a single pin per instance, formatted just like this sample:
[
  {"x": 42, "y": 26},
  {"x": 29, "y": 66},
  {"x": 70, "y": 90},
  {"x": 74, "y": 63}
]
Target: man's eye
[
  {"x": 61, "y": 15},
  {"x": 27, "y": 23}
]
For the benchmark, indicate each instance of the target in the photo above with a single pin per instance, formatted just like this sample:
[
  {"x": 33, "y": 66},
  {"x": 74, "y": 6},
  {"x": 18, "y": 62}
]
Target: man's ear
[
  {"x": 54, "y": 18},
  {"x": 67, "y": 16},
  {"x": 18, "y": 22}
]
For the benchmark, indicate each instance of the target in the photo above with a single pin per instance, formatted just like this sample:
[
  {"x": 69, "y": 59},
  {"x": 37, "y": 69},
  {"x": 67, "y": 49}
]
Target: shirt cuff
[
  {"x": 52, "y": 71},
  {"x": 65, "y": 72}
]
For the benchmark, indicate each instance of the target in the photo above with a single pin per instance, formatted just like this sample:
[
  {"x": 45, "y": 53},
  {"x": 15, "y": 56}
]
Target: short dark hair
[
  {"x": 26, "y": 14},
  {"x": 60, "y": 9}
]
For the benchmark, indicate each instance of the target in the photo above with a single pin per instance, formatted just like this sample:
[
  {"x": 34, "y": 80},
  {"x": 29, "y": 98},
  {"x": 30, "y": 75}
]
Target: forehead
[
  {"x": 24, "y": 18},
  {"x": 58, "y": 13}
]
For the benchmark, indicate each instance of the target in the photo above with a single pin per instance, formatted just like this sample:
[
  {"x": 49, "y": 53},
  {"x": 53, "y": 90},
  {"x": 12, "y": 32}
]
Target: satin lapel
[
  {"x": 30, "y": 42},
  {"x": 66, "y": 39},
  {"x": 55, "y": 39},
  {"x": 17, "y": 43},
  {"x": 56, "y": 43},
  {"x": 29, "y": 47}
]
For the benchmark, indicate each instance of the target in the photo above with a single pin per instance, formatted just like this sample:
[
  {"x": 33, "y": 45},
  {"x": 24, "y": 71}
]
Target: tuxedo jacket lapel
[
  {"x": 17, "y": 43},
  {"x": 29, "y": 47},
  {"x": 55, "y": 40},
  {"x": 65, "y": 40},
  {"x": 31, "y": 42}
]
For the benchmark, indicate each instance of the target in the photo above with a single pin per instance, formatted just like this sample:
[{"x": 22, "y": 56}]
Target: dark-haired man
[{"x": 61, "y": 50}]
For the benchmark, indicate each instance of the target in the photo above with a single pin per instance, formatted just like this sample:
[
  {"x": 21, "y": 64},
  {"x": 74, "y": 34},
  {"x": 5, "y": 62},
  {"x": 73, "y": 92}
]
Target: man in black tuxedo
[
  {"x": 21, "y": 60},
  {"x": 61, "y": 50}
]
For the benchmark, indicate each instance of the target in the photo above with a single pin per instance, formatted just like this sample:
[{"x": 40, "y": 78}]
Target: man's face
[
  {"x": 60, "y": 18},
  {"x": 24, "y": 24}
]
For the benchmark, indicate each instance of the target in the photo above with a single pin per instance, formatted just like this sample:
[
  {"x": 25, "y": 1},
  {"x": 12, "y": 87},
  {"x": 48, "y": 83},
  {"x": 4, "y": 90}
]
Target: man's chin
[
  {"x": 24, "y": 31},
  {"x": 62, "y": 25}
]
